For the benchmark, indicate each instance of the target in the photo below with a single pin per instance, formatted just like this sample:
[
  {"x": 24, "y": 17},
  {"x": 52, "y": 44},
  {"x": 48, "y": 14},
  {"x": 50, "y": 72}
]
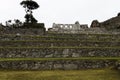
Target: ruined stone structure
[
  {"x": 26, "y": 29},
  {"x": 75, "y": 26},
  {"x": 72, "y": 28},
  {"x": 95, "y": 24},
  {"x": 64, "y": 47},
  {"x": 111, "y": 25}
]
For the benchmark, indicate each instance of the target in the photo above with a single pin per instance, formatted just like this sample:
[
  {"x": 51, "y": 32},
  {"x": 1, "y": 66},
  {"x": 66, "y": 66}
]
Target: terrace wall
[{"x": 56, "y": 65}]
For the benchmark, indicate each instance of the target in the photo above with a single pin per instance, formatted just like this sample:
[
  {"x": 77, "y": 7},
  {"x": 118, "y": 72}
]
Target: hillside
[{"x": 112, "y": 23}]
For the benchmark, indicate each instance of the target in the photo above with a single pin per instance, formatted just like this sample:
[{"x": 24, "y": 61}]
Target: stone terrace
[{"x": 59, "y": 51}]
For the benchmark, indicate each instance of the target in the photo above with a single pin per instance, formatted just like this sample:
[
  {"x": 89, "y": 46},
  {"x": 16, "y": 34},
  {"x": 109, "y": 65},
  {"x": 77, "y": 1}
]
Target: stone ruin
[
  {"x": 72, "y": 27},
  {"x": 94, "y": 24},
  {"x": 77, "y": 28},
  {"x": 23, "y": 29},
  {"x": 111, "y": 25}
]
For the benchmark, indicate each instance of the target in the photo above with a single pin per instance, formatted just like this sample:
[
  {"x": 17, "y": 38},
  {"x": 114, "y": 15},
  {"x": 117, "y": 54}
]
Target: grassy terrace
[
  {"x": 96, "y": 74},
  {"x": 103, "y": 34},
  {"x": 81, "y": 33},
  {"x": 81, "y": 37},
  {"x": 55, "y": 59},
  {"x": 118, "y": 48},
  {"x": 55, "y": 41},
  {"x": 102, "y": 74},
  {"x": 63, "y": 35}
]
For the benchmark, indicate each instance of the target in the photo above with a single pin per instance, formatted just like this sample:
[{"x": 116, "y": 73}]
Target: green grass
[
  {"x": 103, "y": 74},
  {"x": 55, "y": 35},
  {"x": 54, "y": 59},
  {"x": 27, "y": 47},
  {"x": 61, "y": 41}
]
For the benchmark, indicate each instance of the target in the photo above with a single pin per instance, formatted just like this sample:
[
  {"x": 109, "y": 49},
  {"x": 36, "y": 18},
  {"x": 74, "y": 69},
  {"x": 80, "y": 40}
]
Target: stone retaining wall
[
  {"x": 67, "y": 37},
  {"x": 96, "y": 30},
  {"x": 24, "y": 31},
  {"x": 63, "y": 50},
  {"x": 59, "y": 43},
  {"x": 56, "y": 53},
  {"x": 117, "y": 65},
  {"x": 55, "y": 65}
]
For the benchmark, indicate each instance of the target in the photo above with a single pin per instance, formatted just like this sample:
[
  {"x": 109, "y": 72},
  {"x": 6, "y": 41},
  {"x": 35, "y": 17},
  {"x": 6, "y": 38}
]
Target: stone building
[
  {"x": 71, "y": 27},
  {"x": 95, "y": 23}
]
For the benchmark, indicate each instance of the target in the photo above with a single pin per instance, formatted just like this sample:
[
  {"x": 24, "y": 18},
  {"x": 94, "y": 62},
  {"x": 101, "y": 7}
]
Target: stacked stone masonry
[
  {"x": 58, "y": 53},
  {"x": 59, "y": 46},
  {"x": 56, "y": 65}
]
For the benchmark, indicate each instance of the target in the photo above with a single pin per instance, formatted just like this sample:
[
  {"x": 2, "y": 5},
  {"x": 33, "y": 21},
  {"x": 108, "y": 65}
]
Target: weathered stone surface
[
  {"x": 49, "y": 56},
  {"x": 70, "y": 66},
  {"x": 75, "y": 55},
  {"x": 117, "y": 65},
  {"x": 56, "y": 65},
  {"x": 65, "y": 53},
  {"x": 95, "y": 24},
  {"x": 56, "y": 53}
]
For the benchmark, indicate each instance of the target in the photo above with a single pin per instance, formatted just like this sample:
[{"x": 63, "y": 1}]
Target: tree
[
  {"x": 118, "y": 14},
  {"x": 29, "y": 5}
]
